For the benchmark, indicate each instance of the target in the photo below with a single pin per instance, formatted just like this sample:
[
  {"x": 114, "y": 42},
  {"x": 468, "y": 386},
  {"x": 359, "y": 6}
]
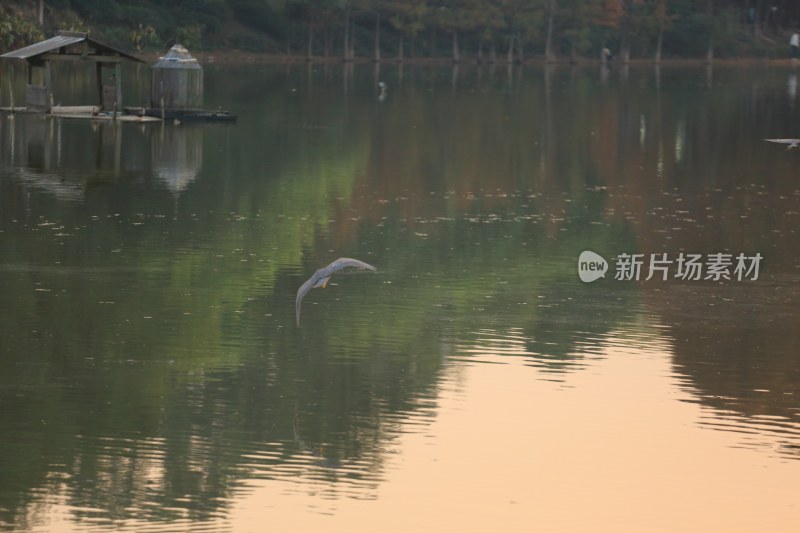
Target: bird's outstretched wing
[
  {"x": 344, "y": 262},
  {"x": 325, "y": 272},
  {"x": 793, "y": 143}
]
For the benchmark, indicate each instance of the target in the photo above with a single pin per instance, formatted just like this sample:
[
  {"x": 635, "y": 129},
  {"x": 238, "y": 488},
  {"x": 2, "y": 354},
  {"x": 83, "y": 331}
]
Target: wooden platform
[
  {"x": 200, "y": 115},
  {"x": 130, "y": 114},
  {"x": 86, "y": 112}
]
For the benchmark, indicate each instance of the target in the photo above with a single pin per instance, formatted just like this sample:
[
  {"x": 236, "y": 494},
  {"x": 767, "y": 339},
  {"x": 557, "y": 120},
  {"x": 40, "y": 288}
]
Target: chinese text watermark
[{"x": 717, "y": 266}]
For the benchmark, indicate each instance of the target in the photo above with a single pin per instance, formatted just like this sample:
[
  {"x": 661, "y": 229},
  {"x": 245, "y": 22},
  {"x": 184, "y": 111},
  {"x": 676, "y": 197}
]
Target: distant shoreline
[{"x": 236, "y": 56}]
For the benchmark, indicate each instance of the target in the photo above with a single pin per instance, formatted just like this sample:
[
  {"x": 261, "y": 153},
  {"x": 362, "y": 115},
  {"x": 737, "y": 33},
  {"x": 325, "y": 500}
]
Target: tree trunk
[
  {"x": 310, "y": 49},
  {"x": 710, "y": 13},
  {"x": 710, "y": 51},
  {"x": 346, "y": 54},
  {"x": 41, "y": 12},
  {"x": 549, "y": 53},
  {"x": 377, "y": 55},
  {"x": 760, "y": 19},
  {"x": 624, "y": 41},
  {"x": 400, "y": 49},
  {"x": 456, "y": 53},
  {"x": 510, "y": 54},
  {"x": 659, "y": 42},
  {"x": 480, "y": 51}
]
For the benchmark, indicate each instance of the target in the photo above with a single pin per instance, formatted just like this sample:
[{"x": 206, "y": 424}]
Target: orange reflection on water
[{"x": 615, "y": 450}]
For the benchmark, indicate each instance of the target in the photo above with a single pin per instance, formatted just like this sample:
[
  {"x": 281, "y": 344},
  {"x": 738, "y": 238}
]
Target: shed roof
[
  {"x": 59, "y": 43},
  {"x": 177, "y": 57}
]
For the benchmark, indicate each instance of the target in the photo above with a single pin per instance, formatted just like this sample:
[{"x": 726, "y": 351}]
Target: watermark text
[{"x": 718, "y": 266}]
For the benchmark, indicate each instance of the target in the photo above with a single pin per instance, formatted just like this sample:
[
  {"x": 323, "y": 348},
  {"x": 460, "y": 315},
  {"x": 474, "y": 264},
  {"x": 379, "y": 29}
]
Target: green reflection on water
[{"x": 150, "y": 360}]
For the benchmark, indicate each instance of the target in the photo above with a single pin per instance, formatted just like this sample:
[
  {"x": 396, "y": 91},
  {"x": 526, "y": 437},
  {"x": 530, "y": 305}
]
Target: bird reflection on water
[{"x": 321, "y": 277}]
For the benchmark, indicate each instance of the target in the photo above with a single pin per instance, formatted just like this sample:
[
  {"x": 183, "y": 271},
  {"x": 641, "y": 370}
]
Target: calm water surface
[{"x": 152, "y": 377}]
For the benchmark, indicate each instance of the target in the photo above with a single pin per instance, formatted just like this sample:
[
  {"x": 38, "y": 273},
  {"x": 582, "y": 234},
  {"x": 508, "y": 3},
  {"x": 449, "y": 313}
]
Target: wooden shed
[{"x": 71, "y": 46}]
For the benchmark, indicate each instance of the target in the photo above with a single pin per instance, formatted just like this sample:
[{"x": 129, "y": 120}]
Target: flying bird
[
  {"x": 321, "y": 277},
  {"x": 792, "y": 143}
]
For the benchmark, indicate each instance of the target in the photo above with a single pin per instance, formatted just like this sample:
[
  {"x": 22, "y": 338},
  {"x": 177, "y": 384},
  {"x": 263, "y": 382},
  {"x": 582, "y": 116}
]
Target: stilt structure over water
[
  {"x": 71, "y": 46},
  {"x": 176, "y": 81},
  {"x": 176, "y": 89}
]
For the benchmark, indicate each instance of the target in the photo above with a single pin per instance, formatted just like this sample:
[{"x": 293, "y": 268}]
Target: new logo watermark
[
  {"x": 685, "y": 266},
  {"x": 591, "y": 266}
]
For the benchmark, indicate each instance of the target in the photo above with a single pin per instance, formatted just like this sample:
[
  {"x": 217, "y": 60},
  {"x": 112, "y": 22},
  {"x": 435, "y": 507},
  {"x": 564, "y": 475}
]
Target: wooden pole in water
[
  {"x": 118, "y": 83},
  {"x": 48, "y": 86},
  {"x": 98, "y": 69},
  {"x": 10, "y": 72},
  {"x": 117, "y": 148}
]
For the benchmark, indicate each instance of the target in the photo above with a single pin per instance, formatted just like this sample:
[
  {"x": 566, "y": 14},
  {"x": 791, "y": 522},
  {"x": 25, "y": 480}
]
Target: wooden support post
[
  {"x": 48, "y": 86},
  {"x": 38, "y": 97},
  {"x": 98, "y": 68},
  {"x": 48, "y": 146},
  {"x": 117, "y": 150},
  {"x": 118, "y": 82}
]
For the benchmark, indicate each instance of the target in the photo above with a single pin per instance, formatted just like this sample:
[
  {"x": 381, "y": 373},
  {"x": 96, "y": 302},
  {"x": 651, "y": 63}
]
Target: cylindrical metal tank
[{"x": 176, "y": 81}]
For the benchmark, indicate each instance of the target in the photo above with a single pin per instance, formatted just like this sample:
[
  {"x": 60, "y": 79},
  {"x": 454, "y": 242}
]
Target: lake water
[{"x": 152, "y": 377}]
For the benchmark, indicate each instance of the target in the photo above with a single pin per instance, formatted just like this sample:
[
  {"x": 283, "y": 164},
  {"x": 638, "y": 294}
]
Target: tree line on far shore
[{"x": 460, "y": 30}]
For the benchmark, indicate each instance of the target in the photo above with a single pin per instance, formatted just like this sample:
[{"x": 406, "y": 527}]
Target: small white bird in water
[
  {"x": 792, "y": 143},
  {"x": 321, "y": 277}
]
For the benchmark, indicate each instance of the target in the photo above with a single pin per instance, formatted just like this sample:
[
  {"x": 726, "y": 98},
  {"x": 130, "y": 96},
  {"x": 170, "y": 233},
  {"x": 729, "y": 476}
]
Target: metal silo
[{"x": 176, "y": 81}]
